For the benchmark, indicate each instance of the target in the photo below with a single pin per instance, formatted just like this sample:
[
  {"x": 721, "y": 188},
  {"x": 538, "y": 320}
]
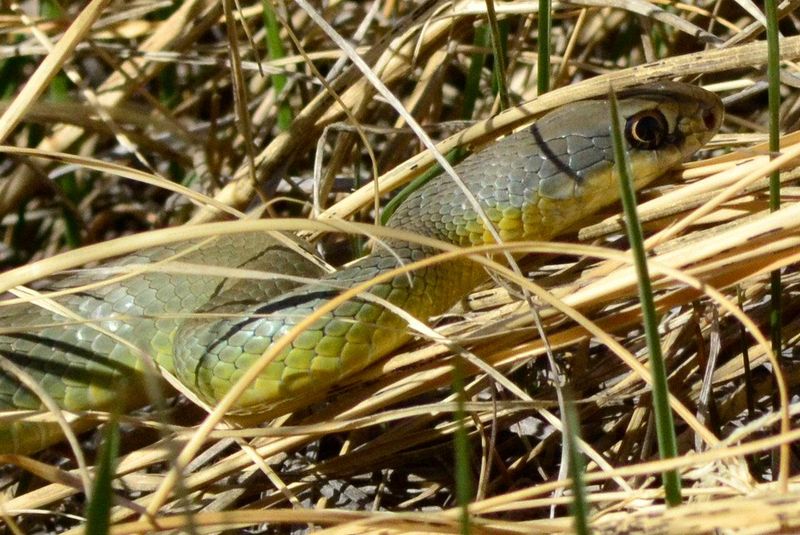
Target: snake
[{"x": 206, "y": 328}]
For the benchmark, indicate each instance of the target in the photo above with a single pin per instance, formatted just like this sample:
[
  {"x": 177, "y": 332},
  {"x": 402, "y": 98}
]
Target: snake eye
[{"x": 646, "y": 130}]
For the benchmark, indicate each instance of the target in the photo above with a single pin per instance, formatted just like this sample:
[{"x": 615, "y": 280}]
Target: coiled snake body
[{"x": 532, "y": 185}]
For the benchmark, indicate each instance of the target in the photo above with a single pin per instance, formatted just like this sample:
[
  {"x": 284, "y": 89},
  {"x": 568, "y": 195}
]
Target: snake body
[{"x": 532, "y": 185}]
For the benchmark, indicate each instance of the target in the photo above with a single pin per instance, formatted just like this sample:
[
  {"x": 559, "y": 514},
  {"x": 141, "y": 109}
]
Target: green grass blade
[
  {"x": 774, "y": 104},
  {"x": 472, "y": 84},
  {"x": 499, "y": 55},
  {"x": 275, "y": 51},
  {"x": 471, "y": 90},
  {"x": 667, "y": 442},
  {"x": 577, "y": 467},
  {"x": 461, "y": 451},
  {"x": 774, "y": 97},
  {"x": 59, "y": 91},
  {"x": 774, "y": 94},
  {"x": 98, "y": 510},
  {"x": 168, "y": 92},
  {"x": 543, "y": 54}
]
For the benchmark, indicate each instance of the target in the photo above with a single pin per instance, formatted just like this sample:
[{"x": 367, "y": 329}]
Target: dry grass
[{"x": 143, "y": 115}]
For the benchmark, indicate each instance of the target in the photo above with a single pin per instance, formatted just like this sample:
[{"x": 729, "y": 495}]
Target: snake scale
[{"x": 532, "y": 185}]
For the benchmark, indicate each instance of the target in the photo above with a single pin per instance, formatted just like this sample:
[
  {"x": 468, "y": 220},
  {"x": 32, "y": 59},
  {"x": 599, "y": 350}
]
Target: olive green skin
[{"x": 532, "y": 185}]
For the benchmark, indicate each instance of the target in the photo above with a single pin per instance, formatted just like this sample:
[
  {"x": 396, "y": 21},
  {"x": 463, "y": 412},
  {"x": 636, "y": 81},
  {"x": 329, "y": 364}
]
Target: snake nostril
[{"x": 710, "y": 119}]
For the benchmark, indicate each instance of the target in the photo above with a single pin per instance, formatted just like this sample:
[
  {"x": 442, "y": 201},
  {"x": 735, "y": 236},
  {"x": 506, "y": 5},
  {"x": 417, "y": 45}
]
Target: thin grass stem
[
  {"x": 499, "y": 56},
  {"x": 98, "y": 509},
  {"x": 577, "y": 466},
  {"x": 276, "y": 51},
  {"x": 665, "y": 428},
  {"x": 774, "y": 104},
  {"x": 543, "y": 53}
]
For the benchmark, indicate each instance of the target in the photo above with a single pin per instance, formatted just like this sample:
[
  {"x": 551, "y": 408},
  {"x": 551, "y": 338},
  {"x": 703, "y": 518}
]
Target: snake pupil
[{"x": 646, "y": 130}]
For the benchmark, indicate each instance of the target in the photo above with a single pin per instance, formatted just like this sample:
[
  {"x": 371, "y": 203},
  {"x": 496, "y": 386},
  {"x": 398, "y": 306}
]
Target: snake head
[
  {"x": 541, "y": 180},
  {"x": 571, "y": 150},
  {"x": 665, "y": 123}
]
